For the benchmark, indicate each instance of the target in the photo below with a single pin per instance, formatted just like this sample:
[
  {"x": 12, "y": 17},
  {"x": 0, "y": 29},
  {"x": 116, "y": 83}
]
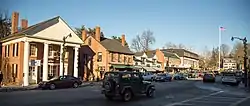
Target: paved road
[{"x": 167, "y": 94}]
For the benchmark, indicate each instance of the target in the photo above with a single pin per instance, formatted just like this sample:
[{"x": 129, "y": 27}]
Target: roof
[
  {"x": 169, "y": 54},
  {"x": 150, "y": 53},
  {"x": 180, "y": 52},
  {"x": 115, "y": 46},
  {"x": 36, "y": 28},
  {"x": 139, "y": 53}
]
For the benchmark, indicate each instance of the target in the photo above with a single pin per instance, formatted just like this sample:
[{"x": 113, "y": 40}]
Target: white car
[
  {"x": 229, "y": 78},
  {"x": 148, "y": 76}
]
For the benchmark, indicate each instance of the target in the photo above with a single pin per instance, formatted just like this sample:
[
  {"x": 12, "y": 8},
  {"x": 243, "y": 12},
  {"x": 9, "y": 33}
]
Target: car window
[
  {"x": 126, "y": 76},
  {"x": 135, "y": 75}
]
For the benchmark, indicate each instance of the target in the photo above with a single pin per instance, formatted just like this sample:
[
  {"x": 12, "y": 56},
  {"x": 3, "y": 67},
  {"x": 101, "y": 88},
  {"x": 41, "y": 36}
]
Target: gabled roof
[
  {"x": 115, "y": 46},
  {"x": 35, "y": 29},
  {"x": 170, "y": 55},
  {"x": 139, "y": 53},
  {"x": 150, "y": 53}
]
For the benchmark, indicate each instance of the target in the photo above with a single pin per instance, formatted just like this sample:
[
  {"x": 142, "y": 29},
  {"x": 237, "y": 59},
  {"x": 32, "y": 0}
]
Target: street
[{"x": 175, "y": 93}]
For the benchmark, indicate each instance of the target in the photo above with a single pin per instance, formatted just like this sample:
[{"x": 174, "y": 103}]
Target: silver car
[{"x": 230, "y": 78}]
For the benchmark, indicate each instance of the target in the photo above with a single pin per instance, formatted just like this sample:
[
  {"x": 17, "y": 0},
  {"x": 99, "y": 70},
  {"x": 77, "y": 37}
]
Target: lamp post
[
  {"x": 64, "y": 50},
  {"x": 244, "y": 40}
]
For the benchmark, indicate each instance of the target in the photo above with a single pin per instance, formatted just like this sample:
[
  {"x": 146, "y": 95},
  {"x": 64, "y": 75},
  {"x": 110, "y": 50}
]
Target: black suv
[{"x": 126, "y": 85}]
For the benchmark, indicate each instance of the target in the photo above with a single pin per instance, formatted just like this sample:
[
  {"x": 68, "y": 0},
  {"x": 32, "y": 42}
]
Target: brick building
[
  {"x": 33, "y": 53},
  {"x": 108, "y": 53}
]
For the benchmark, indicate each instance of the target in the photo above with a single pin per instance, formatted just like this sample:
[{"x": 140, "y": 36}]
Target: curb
[{"x": 9, "y": 89}]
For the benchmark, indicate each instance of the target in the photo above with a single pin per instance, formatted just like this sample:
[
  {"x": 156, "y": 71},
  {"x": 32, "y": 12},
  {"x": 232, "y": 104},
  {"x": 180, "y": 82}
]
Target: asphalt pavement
[{"x": 175, "y": 93}]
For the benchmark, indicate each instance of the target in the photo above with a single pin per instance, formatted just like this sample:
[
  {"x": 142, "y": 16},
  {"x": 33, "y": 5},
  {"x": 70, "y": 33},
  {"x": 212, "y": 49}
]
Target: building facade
[
  {"x": 33, "y": 54},
  {"x": 147, "y": 61},
  {"x": 229, "y": 63},
  {"x": 109, "y": 53},
  {"x": 187, "y": 59}
]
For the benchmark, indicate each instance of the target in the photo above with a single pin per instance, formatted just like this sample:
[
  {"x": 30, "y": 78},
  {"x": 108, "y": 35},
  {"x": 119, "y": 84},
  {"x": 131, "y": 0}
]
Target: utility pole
[{"x": 244, "y": 40}]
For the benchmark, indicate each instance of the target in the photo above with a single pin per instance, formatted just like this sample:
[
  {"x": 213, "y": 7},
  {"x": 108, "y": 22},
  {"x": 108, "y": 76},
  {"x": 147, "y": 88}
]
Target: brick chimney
[
  {"x": 98, "y": 33},
  {"x": 84, "y": 35},
  {"x": 24, "y": 24},
  {"x": 14, "y": 22},
  {"x": 123, "y": 40}
]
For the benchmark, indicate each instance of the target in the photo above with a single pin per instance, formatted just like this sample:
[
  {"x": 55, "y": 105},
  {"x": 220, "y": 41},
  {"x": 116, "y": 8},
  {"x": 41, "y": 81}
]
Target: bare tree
[
  {"x": 143, "y": 42},
  {"x": 170, "y": 45},
  {"x": 225, "y": 50},
  {"x": 5, "y": 25}
]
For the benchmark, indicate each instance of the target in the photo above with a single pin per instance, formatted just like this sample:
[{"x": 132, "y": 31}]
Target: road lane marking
[
  {"x": 191, "y": 99},
  {"x": 240, "y": 101},
  {"x": 209, "y": 102}
]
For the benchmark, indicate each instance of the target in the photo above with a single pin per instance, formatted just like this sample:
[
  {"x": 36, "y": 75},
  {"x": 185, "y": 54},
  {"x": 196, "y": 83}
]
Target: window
[
  {"x": 7, "y": 51},
  {"x": 154, "y": 61},
  {"x": 129, "y": 59},
  {"x": 66, "y": 55},
  {"x": 89, "y": 42},
  {"x": 136, "y": 63},
  {"x": 112, "y": 57},
  {"x": 14, "y": 70},
  {"x": 31, "y": 70},
  {"x": 33, "y": 49},
  {"x": 50, "y": 50},
  {"x": 125, "y": 59},
  {"x": 99, "y": 57},
  {"x": 119, "y": 58},
  {"x": 15, "y": 50},
  {"x": 52, "y": 70},
  {"x": 143, "y": 60}
]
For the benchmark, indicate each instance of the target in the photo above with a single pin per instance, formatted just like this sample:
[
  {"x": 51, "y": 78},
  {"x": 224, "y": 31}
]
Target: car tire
[
  {"x": 150, "y": 92},
  {"x": 75, "y": 85},
  {"x": 127, "y": 95},
  {"x": 52, "y": 86},
  {"x": 109, "y": 97}
]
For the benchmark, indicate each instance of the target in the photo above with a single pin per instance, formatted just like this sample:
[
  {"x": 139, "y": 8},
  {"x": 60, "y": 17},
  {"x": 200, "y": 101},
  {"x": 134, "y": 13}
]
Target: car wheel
[
  {"x": 109, "y": 97},
  {"x": 52, "y": 86},
  {"x": 127, "y": 95},
  {"x": 150, "y": 92},
  {"x": 75, "y": 85}
]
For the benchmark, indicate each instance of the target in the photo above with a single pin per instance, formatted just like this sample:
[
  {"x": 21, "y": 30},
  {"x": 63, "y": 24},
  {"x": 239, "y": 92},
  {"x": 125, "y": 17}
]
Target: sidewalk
[{"x": 34, "y": 87}]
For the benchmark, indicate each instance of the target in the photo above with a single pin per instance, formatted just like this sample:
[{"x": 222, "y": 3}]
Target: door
[{"x": 136, "y": 82}]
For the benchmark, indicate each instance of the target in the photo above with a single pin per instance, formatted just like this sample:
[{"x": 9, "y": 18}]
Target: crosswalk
[{"x": 215, "y": 99}]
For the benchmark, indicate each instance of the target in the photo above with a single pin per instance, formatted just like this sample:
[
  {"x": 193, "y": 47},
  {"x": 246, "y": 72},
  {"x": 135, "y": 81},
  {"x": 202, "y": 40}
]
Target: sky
[{"x": 193, "y": 23}]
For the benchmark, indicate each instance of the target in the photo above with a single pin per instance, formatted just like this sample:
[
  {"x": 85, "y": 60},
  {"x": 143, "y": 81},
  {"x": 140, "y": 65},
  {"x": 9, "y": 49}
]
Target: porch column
[
  {"x": 25, "y": 63},
  {"x": 45, "y": 61},
  {"x": 76, "y": 62},
  {"x": 61, "y": 62}
]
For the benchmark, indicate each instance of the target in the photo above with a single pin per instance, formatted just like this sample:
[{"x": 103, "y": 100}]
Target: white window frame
[{"x": 33, "y": 44}]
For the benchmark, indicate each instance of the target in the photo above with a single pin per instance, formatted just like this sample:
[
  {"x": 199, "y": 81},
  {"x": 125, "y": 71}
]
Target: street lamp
[
  {"x": 64, "y": 49},
  {"x": 244, "y": 40}
]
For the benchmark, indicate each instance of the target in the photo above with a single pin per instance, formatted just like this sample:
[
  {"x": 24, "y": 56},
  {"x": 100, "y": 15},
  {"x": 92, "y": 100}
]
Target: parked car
[
  {"x": 230, "y": 78},
  {"x": 126, "y": 85},
  {"x": 179, "y": 76},
  {"x": 163, "y": 77},
  {"x": 148, "y": 76},
  {"x": 60, "y": 82},
  {"x": 209, "y": 77}
]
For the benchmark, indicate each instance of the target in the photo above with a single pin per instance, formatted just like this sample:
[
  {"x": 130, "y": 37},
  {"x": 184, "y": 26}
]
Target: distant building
[
  {"x": 147, "y": 61},
  {"x": 189, "y": 60},
  {"x": 229, "y": 63}
]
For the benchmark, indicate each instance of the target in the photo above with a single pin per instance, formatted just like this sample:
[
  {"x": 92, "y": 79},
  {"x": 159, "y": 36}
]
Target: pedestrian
[{"x": 1, "y": 78}]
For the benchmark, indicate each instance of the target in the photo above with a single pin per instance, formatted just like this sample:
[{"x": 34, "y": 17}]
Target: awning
[
  {"x": 121, "y": 66},
  {"x": 158, "y": 69},
  {"x": 148, "y": 69}
]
